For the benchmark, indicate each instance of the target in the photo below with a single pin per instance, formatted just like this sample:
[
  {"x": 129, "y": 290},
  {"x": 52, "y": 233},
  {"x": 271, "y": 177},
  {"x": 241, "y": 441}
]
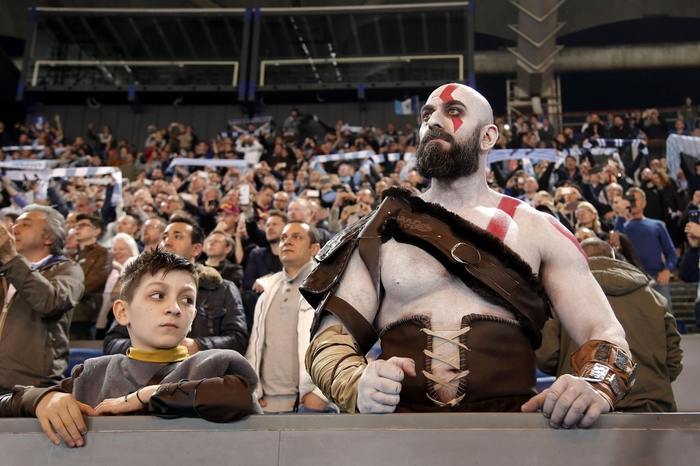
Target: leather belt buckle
[{"x": 465, "y": 254}]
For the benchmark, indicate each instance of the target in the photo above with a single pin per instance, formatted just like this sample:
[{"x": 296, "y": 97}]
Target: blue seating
[
  {"x": 682, "y": 328},
  {"x": 78, "y": 356},
  {"x": 544, "y": 380}
]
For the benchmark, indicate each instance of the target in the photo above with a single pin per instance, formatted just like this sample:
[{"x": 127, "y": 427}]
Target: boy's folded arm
[{"x": 216, "y": 399}]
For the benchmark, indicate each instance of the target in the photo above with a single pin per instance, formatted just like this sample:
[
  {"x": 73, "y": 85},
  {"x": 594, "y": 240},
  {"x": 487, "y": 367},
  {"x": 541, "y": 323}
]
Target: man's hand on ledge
[
  {"x": 569, "y": 402},
  {"x": 61, "y": 417}
]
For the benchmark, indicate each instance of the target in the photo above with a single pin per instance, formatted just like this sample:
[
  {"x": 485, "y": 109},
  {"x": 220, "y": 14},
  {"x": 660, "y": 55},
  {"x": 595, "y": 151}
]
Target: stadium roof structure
[{"x": 248, "y": 49}]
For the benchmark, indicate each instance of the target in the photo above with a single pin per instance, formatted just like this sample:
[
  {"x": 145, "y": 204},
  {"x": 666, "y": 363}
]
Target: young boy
[{"x": 156, "y": 376}]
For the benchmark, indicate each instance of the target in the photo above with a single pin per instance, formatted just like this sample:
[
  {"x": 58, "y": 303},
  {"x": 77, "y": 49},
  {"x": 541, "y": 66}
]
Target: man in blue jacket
[{"x": 650, "y": 239}]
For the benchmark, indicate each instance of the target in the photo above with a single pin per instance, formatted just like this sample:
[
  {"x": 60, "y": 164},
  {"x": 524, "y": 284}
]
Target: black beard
[{"x": 460, "y": 160}]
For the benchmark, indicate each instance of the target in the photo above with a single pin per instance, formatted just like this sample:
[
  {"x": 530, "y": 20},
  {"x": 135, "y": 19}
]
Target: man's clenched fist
[{"x": 379, "y": 386}]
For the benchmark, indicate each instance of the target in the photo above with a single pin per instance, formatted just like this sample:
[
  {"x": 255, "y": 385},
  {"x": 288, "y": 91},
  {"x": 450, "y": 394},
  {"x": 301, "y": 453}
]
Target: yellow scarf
[{"x": 177, "y": 354}]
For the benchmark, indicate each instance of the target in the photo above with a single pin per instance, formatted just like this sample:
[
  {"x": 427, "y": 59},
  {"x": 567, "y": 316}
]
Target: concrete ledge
[
  {"x": 339, "y": 440},
  {"x": 685, "y": 388}
]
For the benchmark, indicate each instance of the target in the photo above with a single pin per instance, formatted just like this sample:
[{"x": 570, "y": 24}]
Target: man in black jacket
[{"x": 220, "y": 321}]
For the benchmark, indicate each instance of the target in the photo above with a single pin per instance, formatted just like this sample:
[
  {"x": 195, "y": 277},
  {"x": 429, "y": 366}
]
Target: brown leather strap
[
  {"x": 370, "y": 241},
  {"x": 361, "y": 330},
  {"x": 485, "y": 267}
]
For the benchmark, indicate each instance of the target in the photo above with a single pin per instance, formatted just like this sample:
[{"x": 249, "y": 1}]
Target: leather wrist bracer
[
  {"x": 607, "y": 367},
  {"x": 335, "y": 365}
]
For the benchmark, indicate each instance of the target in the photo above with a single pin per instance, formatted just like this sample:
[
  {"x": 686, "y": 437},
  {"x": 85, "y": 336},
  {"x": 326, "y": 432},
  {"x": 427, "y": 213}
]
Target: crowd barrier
[{"x": 350, "y": 440}]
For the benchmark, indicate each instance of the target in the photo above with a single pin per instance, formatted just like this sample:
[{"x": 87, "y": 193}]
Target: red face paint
[{"x": 446, "y": 96}]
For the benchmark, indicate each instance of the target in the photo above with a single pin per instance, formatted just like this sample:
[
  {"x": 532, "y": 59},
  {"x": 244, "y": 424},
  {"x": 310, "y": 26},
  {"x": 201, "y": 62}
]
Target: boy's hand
[
  {"x": 60, "y": 413},
  {"x": 131, "y": 403}
]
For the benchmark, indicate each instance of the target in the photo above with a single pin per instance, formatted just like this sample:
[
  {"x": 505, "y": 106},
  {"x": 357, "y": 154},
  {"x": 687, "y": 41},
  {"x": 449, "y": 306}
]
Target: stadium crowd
[{"x": 234, "y": 220}]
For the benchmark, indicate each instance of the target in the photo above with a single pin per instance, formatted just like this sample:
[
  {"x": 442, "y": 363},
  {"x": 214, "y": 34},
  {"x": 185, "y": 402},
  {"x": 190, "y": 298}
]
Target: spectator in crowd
[
  {"x": 595, "y": 128},
  {"x": 217, "y": 247},
  {"x": 220, "y": 321},
  {"x": 280, "y": 201},
  {"x": 652, "y": 125},
  {"x": 250, "y": 147},
  {"x": 620, "y": 129},
  {"x": 96, "y": 262},
  {"x": 688, "y": 113},
  {"x": 152, "y": 233},
  {"x": 301, "y": 210},
  {"x": 124, "y": 250},
  {"x": 569, "y": 170},
  {"x": 583, "y": 233},
  {"x": 650, "y": 330},
  {"x": 157, "y": 306},
  {"x": 281, "y": 329},
  {"x": 40, "y": 289},
  {"x": 264, "y": 260},
  {"x": 544, "y": 202},
  {"x": 649, "y": 238},
  {"x": 587, "y": 216},
  {"x": 530, "y": 188},
  {"x": 130, "y": 225}
]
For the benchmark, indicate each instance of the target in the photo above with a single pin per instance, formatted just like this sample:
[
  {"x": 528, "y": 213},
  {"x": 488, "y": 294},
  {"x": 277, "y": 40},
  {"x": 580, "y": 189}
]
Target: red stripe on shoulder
[
  {"x": 501, "y": 220},
  {"x": 499, "y": 225},
  {"x": 562, "y": 229},
  {"x": 509, "y": 204}
]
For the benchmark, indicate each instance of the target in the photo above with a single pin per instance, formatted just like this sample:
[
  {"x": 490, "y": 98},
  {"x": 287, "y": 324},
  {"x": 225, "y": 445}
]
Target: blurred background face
[
  {"x": 127, "y": 224},
  {"x": 216, "y": 246},
  {"x": 177, "y": 239},
  {"x": 273, "y": 228},
  {"x": 280, "y": 201},
  {"x": 29, "y": 232},
  {"x": 265, "y": 197},
  {"x": 298, "y": 212},
  {"x": 639, "y": 205},
  {"x": 152, "y": 231},
  {"x": 86, "y": 231},
  {"x": 120, "y": 251},
  {"x": 584, "y": 216}
]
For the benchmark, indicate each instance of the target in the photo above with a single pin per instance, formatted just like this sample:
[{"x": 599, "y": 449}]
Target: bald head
[{"x": 477, "y": 106}]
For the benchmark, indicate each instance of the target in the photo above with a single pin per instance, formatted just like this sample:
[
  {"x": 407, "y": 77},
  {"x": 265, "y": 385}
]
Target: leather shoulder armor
[{"x": 331, "y": 262}]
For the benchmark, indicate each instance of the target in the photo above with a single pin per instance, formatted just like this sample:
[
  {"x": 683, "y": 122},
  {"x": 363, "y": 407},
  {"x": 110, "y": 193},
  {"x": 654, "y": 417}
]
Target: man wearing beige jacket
[{"x": 281, "y": 329}]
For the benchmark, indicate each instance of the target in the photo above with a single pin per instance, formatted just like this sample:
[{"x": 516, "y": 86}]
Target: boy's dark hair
[
  {"x": 96, "y": 221},
  {"x": 152, "y": 262},
  {"x": 197, "y": 232}
]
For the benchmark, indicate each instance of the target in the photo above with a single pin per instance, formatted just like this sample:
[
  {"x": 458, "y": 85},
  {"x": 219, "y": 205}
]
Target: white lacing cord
[{"x": 453, "y": 362}]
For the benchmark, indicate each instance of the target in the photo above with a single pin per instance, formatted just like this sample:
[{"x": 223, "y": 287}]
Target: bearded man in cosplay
[{"x": 457, "y": 284}]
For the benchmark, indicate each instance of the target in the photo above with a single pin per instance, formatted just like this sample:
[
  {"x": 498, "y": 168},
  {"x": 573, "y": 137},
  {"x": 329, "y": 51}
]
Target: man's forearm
[{"x": 45, "y": 296}]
